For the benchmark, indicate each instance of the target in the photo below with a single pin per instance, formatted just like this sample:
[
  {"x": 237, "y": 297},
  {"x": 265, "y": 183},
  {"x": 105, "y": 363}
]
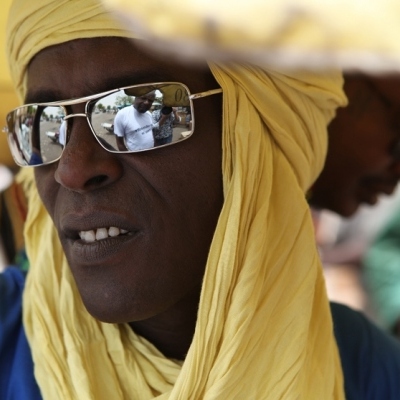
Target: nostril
[{"x": 96, "y": 181}]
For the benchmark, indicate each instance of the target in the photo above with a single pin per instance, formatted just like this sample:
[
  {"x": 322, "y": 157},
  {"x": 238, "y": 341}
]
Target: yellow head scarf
[{"x": 264, "y": 329}]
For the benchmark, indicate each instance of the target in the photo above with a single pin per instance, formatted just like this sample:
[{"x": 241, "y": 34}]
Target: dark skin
[
  {"x": 168, "y": 200},
  {"x": 361, "y": 164},
  {"x": 144, "y": 103}
]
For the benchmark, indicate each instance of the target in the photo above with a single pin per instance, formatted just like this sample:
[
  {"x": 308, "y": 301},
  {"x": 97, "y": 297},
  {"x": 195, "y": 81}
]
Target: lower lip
[{"x": 102, "y": 251}]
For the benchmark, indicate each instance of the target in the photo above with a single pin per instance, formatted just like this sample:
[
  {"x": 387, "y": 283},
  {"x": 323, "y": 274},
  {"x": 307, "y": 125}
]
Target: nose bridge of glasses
[
  {"x": 68, "y": 116},
  {"x": 68, "y": 130}
]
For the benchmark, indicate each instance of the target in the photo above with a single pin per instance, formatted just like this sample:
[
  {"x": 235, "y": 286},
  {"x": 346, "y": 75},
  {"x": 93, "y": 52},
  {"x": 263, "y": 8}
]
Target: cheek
[
  {"x": 372, "y": 158},
  {"x": 188, "y": 182},
  {"x": 192, "y": 169},
  {"x": 362, "y": 154},
  {"x": 367, "y": 142}
]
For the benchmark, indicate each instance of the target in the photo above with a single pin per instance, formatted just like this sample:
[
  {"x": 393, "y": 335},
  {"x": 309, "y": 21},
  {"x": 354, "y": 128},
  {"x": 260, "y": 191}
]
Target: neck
[{"x": 172, "y": 331}]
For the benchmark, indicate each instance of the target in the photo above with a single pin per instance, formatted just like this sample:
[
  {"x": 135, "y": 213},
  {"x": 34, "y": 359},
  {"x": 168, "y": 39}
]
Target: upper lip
[{"x": 74, "y": 222}]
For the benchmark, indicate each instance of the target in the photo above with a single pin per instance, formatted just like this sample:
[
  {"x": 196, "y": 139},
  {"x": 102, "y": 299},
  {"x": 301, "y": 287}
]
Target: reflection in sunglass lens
[
  {"x": 141, "y": 118},
  {"x": 52, "y": 133},
  {"x": 133, "y": 119},
  {"x": 34, "y": 134}
]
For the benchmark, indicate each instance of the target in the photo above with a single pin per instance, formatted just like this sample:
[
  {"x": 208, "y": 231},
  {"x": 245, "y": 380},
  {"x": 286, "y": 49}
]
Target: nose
[{"x": 84, "y": 164}]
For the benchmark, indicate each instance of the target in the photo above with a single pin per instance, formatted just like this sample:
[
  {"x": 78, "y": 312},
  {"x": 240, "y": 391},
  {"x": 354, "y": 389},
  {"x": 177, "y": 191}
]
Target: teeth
[
  {"x": 88, "y": 236},
  {"x": 113, "y": 231},
  {"x": 101, "y": 233}
]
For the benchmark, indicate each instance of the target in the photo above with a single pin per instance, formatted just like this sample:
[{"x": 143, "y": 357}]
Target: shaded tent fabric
[
  {"x": 307, "y": 34},
  {"x": 264, "y": 327}
]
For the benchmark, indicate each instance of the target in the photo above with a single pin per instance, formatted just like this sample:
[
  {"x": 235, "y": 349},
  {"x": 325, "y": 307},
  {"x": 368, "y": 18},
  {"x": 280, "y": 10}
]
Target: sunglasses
[{"x": 126, "y": 120}]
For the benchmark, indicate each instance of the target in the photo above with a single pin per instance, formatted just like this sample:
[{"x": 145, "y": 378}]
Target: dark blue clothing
[
  {"x": 370, "y": 358},
  {"x": 16, "y": 367}
]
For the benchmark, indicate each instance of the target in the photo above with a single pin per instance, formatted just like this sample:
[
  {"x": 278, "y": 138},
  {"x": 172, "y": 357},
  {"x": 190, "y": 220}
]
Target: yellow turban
[{"x": 264, "y": 328}]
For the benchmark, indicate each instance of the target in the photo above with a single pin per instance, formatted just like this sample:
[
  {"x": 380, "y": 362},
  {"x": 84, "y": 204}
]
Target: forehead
[
  {"x": 88, "y": 66},
  {"x": 149, "y": 96}
]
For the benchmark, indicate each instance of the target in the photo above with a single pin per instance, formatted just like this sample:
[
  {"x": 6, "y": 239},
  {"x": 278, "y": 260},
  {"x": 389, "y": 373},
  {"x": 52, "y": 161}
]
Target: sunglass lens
[
  {"x": 33, "y": 134},
  {"x": 52, "y": 134},
  {"x": 142, "y": 117}
]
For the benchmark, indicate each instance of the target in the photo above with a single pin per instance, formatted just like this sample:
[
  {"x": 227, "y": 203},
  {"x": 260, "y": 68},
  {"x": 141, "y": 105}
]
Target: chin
[
  {"x": 107, "y": 311},
  {"x": 105, "y": 314},
  {"x": 120, "y": 311}
]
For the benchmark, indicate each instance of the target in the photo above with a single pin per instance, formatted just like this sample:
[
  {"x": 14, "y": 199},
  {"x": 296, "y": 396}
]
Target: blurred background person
[{"x": 362, "y": 169}]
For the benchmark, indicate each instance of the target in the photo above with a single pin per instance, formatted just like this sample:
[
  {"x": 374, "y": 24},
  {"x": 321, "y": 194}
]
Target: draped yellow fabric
[{"x": 264, "y": 328}]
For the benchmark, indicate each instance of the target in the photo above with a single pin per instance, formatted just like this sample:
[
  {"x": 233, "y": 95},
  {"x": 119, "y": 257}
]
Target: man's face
[
  {"x": 144, "y": 103},
  {"x": 168, "y": 200},
  {"x": 360, "y": 164}
]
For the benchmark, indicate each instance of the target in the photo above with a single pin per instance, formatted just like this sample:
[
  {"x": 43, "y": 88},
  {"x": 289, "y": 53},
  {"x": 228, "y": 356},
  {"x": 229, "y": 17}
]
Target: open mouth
[{"x": 102, "y": 233}]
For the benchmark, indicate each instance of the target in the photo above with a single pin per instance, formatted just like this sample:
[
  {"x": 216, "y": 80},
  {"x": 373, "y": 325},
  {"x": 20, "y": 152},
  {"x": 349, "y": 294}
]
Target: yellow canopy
[{"x": 311, "y": 34}]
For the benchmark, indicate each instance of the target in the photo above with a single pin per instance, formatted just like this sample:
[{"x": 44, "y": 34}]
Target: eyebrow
[
  {"x": 46, "y": 95},
  {"x": 41, "y": 96}
]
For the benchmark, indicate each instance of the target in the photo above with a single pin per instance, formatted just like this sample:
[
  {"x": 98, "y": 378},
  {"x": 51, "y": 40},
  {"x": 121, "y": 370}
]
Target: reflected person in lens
[
  {"x": 133, "y": 125},
  {"x": 167, "y": 117}
]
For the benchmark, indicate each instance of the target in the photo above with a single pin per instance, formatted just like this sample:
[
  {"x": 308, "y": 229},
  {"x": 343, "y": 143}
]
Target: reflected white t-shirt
[
  {"x": 136, "y": 127},
  {"x": 62, "y": 133}
]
